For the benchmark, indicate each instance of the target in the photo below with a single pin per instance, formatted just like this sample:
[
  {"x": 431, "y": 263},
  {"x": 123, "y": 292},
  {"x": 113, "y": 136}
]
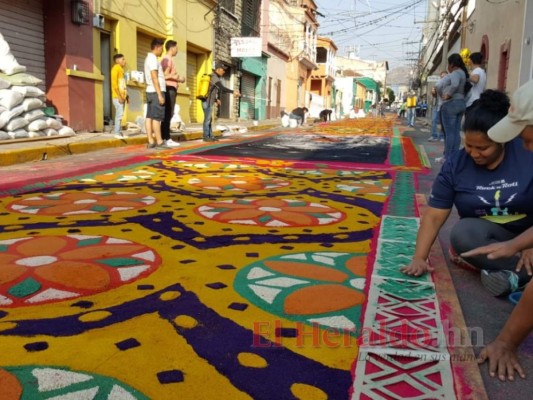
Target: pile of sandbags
[{"x": 22, "y": 103}]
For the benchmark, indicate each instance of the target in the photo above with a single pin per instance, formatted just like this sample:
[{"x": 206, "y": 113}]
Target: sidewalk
[{"x": 38, "y": 149}]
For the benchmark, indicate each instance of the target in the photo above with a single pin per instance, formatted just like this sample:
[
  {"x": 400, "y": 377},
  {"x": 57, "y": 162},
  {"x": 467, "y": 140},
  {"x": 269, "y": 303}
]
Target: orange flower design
[
  {"x": 271, "y": 212},
  {"x": 49, "y": 268},
  {"x": 86, "y": 202},
  {"x": 237, "y": 183}
]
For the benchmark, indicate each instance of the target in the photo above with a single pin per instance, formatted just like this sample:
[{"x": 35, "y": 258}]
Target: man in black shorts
[{"x": 155, "y": 95}]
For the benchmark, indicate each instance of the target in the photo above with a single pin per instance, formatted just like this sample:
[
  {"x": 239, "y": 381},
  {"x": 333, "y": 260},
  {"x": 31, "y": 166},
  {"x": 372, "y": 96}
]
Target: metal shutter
[
  {"x": 192, "y": 69},
  {"x": 143, "y": 48},
  {"x": 21, "y": 24},
  {"x": 248, "y": 93}
]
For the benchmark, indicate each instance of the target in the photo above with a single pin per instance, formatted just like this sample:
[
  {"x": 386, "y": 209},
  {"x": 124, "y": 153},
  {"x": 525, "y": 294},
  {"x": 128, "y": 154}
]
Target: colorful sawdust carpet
[{"x": 188, "y": 277}]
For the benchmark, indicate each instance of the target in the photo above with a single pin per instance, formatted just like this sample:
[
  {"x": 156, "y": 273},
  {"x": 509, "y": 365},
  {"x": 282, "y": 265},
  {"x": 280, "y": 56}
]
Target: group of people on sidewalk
[
  {"x": 162, "y": 82},
  {"x": 490, "y": 183}
]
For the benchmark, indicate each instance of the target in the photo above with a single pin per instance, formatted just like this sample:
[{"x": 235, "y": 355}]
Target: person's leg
[
  {"x": 448, "y": 125},
  {"x": 411, "y": 113},
  {"x": 149, "y": 131},
  {"x": 440, "y": 131},
  {"x": 119, "y": 113},
  {"x": 470, "y": 233},
  {"x": 207, "y": 120},
  {"x": 498, "y": 276},
  {"x": 434, "y": 125},
  {"x": 158, "y": 117},
  {"x": 169, "y": 110},
  {"x": 148, "y": 119}
]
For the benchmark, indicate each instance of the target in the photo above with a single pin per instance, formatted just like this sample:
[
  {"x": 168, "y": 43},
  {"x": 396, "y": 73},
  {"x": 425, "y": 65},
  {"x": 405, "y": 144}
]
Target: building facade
[{"x": 70, "y": 45}]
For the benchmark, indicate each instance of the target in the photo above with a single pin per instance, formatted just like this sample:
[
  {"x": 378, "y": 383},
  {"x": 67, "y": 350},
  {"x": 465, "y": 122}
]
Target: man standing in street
[
  {"x": 171, "y": 81},
  {"x": 213, "y": 96},
  {"x": 435, "y": 114},
  {"x": 411, "y": 109},
  {"x": 155, "y": 95},
  {"x": 119, "y": 92},
  {"x": 478, "y": 79}
]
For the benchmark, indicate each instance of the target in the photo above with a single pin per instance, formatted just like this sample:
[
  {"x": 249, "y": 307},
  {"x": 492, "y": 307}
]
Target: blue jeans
[
  {"x": 435, "y": 120},
  {"x": 411, "y": 114},
  {"x": 119, "y": 113},
  {"x": 298, "y": 118},
  {"x": 451, "y": 114},
  {"x": 208, "y": 116}
]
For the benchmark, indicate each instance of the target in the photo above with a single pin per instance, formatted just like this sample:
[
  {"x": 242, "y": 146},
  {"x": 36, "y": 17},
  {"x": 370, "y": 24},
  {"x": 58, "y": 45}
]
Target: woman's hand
[
  {"x": 502, "y": 360},
  {"x": 493, "y": 251},
  {"x": 417, "y": 267}
]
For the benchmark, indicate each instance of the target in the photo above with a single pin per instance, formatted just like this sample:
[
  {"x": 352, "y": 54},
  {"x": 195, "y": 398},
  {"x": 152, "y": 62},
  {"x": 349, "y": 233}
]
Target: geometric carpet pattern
[
  {"x": 199, "y": 276},
  {"x": 403, "y": 351}
]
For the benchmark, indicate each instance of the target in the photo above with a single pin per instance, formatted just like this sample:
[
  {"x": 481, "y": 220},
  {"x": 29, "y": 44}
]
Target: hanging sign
[{"x": 246, "y": 47}]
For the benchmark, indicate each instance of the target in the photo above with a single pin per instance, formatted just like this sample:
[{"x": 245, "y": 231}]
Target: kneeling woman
[{"x": 491, "y": 185}]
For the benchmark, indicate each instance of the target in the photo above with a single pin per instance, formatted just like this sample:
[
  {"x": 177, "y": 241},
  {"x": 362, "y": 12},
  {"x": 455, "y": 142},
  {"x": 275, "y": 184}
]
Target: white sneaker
[
  {"x": 171, "y": 143},
  {"x": 440, "y": 160}
]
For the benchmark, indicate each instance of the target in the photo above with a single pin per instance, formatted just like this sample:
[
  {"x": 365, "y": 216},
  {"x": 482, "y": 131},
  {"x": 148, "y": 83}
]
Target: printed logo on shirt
[{"x": 499, "y": 213}]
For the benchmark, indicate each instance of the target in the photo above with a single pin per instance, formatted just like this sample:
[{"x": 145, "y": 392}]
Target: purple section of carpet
[
  {"x": 174, "y": 376},
  {"x": 128, "y": 344},
  {"x": 36, "y": 346},
  {"x": 216, "y": 339}
]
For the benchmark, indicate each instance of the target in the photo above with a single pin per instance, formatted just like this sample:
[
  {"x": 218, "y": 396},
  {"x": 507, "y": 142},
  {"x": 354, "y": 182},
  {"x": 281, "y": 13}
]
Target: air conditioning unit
[{"x": 98, "y": 21}]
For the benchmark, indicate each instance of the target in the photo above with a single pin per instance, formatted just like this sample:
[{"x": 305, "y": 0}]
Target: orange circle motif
[
  {"x": 54, "y": 268},
  {"x": 76, "y": 203},
  {"x": 271, "y": 212}
]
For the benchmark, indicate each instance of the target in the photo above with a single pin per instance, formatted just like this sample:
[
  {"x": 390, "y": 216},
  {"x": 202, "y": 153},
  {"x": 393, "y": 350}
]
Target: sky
[{"x": 379, "y": 30}]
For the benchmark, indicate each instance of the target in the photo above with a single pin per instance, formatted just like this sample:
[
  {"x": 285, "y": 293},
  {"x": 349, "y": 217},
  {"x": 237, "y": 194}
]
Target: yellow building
[{"x": 129, "y": 27}]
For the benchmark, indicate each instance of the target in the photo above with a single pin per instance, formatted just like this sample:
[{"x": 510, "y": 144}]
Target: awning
[{"x": 369, "y": 83}]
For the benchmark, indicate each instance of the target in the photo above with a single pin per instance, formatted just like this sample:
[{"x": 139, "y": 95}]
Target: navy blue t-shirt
[{"x": 503, "y": 195}]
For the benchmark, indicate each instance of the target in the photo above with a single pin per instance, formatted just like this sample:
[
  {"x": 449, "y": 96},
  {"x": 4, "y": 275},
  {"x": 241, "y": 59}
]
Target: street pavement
[{"x": 485, "y": 315}]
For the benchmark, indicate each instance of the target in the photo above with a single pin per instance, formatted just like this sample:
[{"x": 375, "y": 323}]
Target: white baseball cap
[{"x": 520, "y": 115}]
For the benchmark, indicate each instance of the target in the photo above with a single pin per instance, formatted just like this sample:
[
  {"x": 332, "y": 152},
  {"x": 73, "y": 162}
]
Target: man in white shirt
[
  {"x": 478, "y": 79},
  {"x": 155, "y": 95}
]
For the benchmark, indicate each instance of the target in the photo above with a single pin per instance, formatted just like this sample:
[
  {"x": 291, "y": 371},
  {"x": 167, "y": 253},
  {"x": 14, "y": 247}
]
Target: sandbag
[
  {"x": 285, "y": 121},
  {"x": 31, "y": 104},
  {"x": 66, "y": 130},
  {"x": 16, "y": 123},
  {"x": 51, "y": 132},
  {"x": 8, "y": 115},
  {"x": 8, "y": 62},
  {"x": 4, "y": 84},
  {"x": 34, "y": 134},
  {"x": 293, "y": 123},
  {"x": 37, "y": 125},
  {"x": 33, "y": 115},
  {"x": 21, "y": 79},
  {"x": 4, "y": 135},
  {"x": 29, "y": 91},
  {"x": 10, "y": 99},
  {"x": 19, "y": 134},
  {"x": 53, "y": 123}
]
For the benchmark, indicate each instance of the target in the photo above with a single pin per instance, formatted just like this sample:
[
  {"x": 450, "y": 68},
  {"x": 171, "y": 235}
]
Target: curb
[{"x": 45, "y": 151}]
